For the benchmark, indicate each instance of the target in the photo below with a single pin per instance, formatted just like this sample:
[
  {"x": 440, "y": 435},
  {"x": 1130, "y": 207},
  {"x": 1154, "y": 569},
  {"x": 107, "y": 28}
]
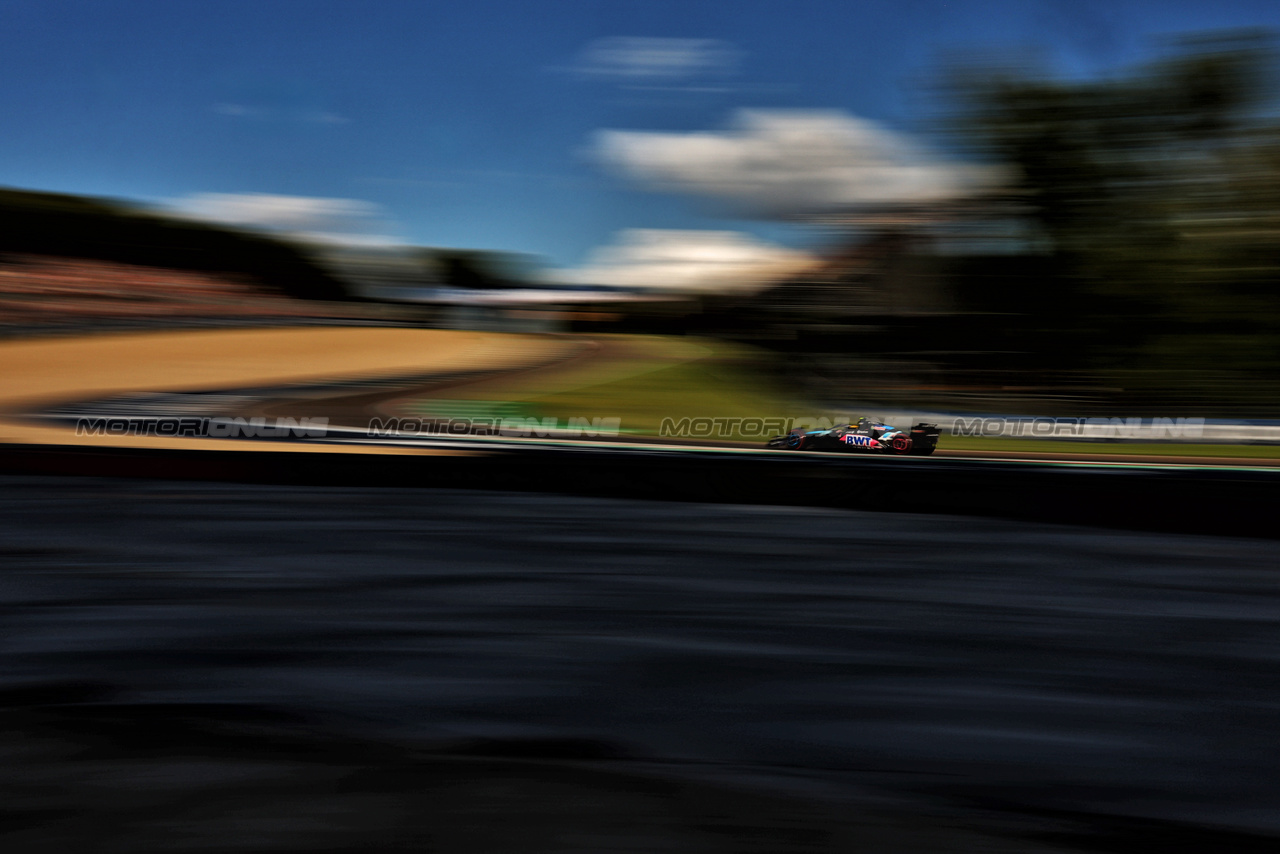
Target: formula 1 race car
[{"x": 867, "y": 435}]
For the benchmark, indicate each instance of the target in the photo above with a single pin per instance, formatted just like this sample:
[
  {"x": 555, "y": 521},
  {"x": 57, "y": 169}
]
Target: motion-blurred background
[
  {"x": 1042, "y": 208},
  {"x": 637, "y": 212}
]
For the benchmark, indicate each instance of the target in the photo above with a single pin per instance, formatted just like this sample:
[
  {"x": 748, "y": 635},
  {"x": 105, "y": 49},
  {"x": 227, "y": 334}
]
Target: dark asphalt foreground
[{"x": 207, "y": 667}]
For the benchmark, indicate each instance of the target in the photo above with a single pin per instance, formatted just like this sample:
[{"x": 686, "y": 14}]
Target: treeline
[
  {"x": 477, "y": 269},
  {"x": 1148, "y": 209},
  {"x": 73, "y": 226},
  {"x": 1132, "y": 251}
]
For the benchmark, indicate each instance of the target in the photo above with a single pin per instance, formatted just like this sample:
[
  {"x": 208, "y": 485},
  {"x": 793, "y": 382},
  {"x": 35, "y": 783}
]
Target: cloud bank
[
  {"x": 688, "y": 261},
  {"x": 652, "y": 61},
  {"x": 783, "y": 163},
  {"x": 323, "y": 220}
]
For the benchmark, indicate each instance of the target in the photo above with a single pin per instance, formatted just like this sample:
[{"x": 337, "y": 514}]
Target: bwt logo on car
[{"x": 861, "y": 441}]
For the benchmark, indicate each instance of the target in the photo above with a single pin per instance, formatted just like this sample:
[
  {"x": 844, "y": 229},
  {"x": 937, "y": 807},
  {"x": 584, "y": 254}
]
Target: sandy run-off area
[{"x": 38, "y": 373}]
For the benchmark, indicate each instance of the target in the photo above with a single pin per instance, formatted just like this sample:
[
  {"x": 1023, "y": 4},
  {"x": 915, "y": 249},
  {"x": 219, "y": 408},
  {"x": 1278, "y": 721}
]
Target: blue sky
[{"x": 478, "y": 124}]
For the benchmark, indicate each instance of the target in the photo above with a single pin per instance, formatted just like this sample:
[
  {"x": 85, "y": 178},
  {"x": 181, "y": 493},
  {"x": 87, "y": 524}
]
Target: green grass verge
[
  {"x": 651, "y": 378},
  {"x": 722, "y": 385}
]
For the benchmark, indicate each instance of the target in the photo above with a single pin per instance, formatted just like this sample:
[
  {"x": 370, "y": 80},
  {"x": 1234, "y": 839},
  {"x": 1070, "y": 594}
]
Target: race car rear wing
[{"x": 924, "y": 438}]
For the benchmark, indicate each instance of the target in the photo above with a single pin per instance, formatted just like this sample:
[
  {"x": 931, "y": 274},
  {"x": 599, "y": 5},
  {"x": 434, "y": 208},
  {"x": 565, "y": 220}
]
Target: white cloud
[
  {"x": 344, "y": 221},
  {"x": 784, "y": 163},
  {"x": 261, "y": 113},
  {"x": 637, "y": 60},
  {"x": 689, "y": 261}
]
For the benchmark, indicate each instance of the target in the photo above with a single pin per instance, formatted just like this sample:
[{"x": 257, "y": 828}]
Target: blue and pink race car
[{"x": 868, "y": 435}]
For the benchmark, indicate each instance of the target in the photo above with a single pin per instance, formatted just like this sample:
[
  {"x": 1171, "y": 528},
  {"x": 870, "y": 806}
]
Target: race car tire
[
  {"x": 797, "y": 441},
  {"x": 900, "y": 445}
]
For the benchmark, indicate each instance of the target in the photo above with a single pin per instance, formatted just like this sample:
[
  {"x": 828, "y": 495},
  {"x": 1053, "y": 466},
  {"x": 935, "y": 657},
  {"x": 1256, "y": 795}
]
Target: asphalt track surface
[{"x": 195, "y": 666}]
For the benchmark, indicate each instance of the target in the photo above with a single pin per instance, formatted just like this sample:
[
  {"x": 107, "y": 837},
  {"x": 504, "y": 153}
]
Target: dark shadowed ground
[{"x": 194, "y": 667}]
